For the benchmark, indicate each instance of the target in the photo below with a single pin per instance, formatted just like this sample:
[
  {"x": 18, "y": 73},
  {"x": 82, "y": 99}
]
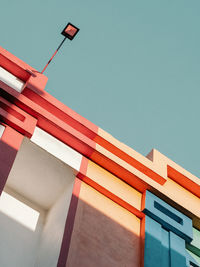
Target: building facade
[{"x": 72, "y": 195}]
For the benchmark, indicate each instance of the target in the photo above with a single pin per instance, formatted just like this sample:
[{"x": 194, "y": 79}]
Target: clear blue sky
[{"x": 133, "y": 69}]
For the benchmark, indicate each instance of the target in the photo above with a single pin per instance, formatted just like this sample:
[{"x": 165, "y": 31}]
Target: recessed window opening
[{"x": 34, "y": 207}]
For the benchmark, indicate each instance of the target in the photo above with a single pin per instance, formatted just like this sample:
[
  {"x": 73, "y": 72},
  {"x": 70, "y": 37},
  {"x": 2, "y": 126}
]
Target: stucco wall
[
  {"x": 104, "y": 233},
  {"x": 18, "y": 243},
  {"x": 114, "y": 185},
  {"x": 52, "y": 234}
]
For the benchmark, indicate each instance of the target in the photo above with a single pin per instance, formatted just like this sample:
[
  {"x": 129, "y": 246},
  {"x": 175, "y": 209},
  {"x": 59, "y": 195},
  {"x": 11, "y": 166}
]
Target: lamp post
[{"x": 69, "y": 32}]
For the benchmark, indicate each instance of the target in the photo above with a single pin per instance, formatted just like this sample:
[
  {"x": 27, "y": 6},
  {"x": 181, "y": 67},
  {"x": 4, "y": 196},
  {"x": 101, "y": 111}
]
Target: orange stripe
[
  {"x": 119, "y": 171},
  {"x": 183, "y": 181},
  {"x": 130, "y": 160},
  {"x": 142, "y": 240},
  {"x": 113, "y": 197}
]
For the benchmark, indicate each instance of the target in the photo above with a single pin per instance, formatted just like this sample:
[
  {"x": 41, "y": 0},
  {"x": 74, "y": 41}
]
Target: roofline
[{"x": 43, "y": 110}]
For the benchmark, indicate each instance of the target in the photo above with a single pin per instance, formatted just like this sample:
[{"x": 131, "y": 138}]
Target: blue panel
[
  {"x": 165, "y": 248},
  {"x": 177, "y": 251},
  {"x": 168, "y": 217},
  {"x": 153, "y": 245}
]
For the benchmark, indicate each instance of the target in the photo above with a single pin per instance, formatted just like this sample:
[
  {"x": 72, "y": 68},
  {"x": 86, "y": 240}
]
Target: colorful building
[{"x": 72, "y": 195}]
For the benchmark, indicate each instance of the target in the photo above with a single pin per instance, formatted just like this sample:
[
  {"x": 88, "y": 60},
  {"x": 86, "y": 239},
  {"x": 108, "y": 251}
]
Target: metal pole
[{"x": 53, "y": 54}]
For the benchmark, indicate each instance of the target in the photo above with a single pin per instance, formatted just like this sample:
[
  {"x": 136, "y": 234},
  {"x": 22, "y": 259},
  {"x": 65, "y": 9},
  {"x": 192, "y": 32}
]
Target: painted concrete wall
[
  {"x": 104, "y": 234},
  {"x": 21, "y": 246},
  {"x": 38, "y": 175},
  {"x": 52, "y": 234},
  {"x": 18, "y": 243},
  {"x": 114, "y": 185}
]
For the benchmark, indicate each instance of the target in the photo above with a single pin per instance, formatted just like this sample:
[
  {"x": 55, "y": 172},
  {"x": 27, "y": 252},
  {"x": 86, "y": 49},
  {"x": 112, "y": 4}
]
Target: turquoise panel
[
  {"x": 153, "y": 245},
  {"x": 165, "y": 262},
  {"x": 166, "y": 233},
  {"x": 177, "y": 251},
  {"x": 168, "y": 217}
]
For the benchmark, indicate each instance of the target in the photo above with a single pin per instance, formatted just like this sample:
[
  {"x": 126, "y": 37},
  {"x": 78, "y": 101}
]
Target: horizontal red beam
[{"x": 17, "y": 118}]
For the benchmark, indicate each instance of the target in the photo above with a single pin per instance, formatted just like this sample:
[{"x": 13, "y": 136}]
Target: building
[{"x": 73, "y": 195}]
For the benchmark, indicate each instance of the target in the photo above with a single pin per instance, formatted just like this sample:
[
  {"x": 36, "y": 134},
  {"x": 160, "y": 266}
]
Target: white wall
[
  {"x": 38, "y": 175},
  {"x": 53, "y": 230},
  {"x": 18, "y": 244},
  {"x": 44, "y": 182},
  {"x": 2, "y": 128}
]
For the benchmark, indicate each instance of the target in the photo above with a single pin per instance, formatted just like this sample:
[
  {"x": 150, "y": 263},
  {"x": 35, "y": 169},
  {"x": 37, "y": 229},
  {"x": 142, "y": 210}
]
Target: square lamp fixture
[{"x": 70, "y": 31}]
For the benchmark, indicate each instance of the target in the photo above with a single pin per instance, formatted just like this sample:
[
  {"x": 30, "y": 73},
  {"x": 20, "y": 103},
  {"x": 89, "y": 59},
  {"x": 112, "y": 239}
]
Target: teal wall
[{"x": 167, "y": 233}]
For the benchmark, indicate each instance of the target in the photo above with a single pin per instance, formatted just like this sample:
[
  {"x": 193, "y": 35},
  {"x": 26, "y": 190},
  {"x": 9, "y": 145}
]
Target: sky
[{"x": 133, "y": 68}]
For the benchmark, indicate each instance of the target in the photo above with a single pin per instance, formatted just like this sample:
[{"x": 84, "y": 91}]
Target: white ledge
[
  {"x": 57, "y": 148},
  {"x": 2, "y": 128},
  {"x": 11, "y": 80}
]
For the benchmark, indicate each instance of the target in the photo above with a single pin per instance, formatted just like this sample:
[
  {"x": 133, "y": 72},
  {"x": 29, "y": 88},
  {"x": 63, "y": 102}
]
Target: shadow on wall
[
  {"x": 7, "y": 157},
  {"x": 18, "y": 244},
  {"x": 167, "y": 250},
  {"x": 104, "y": 234},
  {"x": 98, "y": 239}
]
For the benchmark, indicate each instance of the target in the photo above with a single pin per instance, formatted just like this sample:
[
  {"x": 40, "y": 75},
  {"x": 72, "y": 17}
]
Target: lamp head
[{"x": 70, "y": 31}]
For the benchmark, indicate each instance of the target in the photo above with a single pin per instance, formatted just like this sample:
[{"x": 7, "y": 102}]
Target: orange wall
[
  {"x": 104, "y": 234},
  {"x": 114, "y": 185}
]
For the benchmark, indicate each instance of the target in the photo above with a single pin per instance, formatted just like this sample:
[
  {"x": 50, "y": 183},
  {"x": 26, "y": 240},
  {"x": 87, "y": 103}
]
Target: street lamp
[{"x": 69, "y": 32}]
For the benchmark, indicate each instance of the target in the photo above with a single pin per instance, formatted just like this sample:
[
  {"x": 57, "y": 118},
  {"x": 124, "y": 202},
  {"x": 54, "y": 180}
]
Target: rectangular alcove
[{"x": 33, "y": 208}]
